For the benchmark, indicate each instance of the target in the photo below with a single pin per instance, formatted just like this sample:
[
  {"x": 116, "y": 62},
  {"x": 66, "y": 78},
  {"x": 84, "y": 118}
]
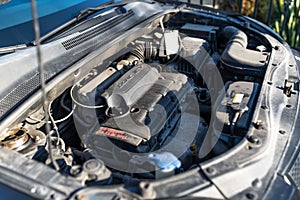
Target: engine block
[{"x": 141, "y": 103}]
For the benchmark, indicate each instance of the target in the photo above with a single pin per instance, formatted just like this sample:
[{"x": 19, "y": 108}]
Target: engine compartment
[{"x": 176, "y": 97}]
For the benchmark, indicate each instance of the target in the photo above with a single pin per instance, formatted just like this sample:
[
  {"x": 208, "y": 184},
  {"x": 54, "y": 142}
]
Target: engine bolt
[
  {"x": 146, "y": 189},
  {"x": 250, "y": 195},
  {"x": 257, "y": 183},
  {"x": 258, "y": 124},
  {"x": 253, "y": 139},
  {"x": 282, "y": 132},
  {"x": 211, "y": 170}
]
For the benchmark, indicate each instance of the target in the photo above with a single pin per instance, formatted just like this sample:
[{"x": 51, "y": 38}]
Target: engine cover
[{"x": 142, "y": 103}]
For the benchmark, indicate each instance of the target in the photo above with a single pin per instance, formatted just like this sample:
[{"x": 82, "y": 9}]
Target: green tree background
[{"x": 284, "y": 16}]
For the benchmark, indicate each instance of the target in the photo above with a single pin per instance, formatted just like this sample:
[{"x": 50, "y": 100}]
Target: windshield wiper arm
[
  {"x": 88, "y": 11},
  {"x": 81, "y": 16},
  {"x": 11, "y": 49}
]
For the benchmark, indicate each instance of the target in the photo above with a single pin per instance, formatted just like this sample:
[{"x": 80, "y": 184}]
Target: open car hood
[{"x": 150, "y": 100}]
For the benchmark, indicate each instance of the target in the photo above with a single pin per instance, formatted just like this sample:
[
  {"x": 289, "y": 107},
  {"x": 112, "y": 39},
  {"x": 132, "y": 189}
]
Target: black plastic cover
[
  {"x": 141, "y": 102},
  {"x": 208, "y": 33},
  {"x": 193, "y": 55},
  {"x": 240, "y": 60},
  {"x": 235, "y": 109}
]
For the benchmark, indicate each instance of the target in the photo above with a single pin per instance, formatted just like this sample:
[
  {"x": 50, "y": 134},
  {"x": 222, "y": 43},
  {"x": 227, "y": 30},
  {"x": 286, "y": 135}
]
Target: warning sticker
[{"x": 238, "y": 98}]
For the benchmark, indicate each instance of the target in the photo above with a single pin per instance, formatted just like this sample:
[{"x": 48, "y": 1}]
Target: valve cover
[{"x": 141, "y": 103}]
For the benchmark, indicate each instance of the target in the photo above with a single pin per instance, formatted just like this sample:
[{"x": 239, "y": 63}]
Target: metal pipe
[
  {"x": 241, "y": 6},
  {"x": 42, "y": 78},
  {"x": 255, "y": 9}
]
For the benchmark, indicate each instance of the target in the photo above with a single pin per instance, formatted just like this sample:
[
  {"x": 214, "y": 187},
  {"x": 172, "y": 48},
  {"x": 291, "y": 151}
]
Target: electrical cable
[
  {"x": 53, "y": 123},
  {"x": 82, "y": 105},
  {"x": 58, "y": 120}
]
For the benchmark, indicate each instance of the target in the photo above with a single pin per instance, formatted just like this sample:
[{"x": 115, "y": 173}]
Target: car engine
[
  {"x": 141, "y": 92},
  {"x": 169, "y": 100},
  {"x": 140, "y": 105}
]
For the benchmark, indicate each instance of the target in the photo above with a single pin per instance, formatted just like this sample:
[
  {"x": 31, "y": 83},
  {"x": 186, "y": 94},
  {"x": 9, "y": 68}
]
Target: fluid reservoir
[{"x": 165, "y": 164}]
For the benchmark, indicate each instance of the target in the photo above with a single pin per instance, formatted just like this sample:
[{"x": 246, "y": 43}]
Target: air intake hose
[
  {"x": 234, "y": 36},
  {"x": 145, "y": 51},
  {"x": 237, "y": 58}
]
